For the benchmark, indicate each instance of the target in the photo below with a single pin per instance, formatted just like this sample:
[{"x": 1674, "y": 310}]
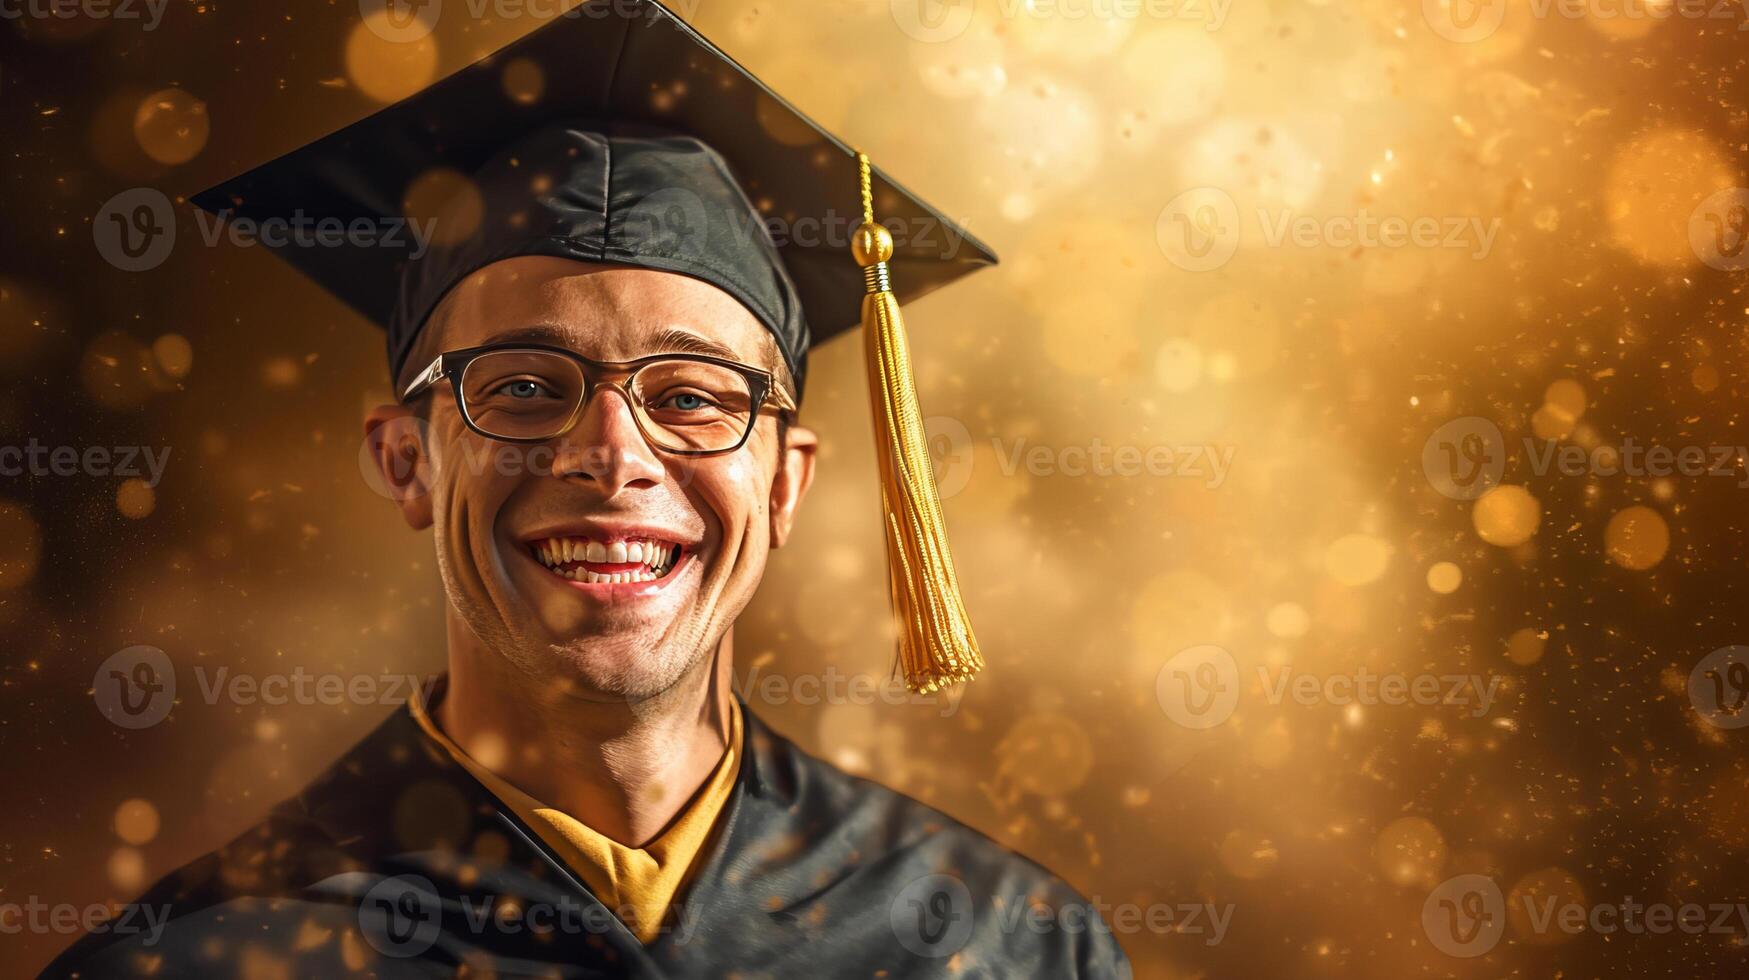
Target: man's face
[{"x": 594, "y": 558}]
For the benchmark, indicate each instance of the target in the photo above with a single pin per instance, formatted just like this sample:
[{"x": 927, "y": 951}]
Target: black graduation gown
[{"x": 397, "y": 863}]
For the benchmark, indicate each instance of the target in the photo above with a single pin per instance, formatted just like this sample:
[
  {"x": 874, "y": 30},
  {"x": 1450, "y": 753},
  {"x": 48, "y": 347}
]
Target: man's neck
[{"x": 623, "y": 769}]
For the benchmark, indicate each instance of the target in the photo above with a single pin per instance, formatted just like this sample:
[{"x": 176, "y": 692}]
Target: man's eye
[
  {"x": 685, "y": 402},
  {"x": 524, "y": 389}
]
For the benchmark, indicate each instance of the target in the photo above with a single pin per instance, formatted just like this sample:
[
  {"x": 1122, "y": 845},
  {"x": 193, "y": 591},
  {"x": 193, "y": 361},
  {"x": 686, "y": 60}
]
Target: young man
[{"x": 598, "y": 383}]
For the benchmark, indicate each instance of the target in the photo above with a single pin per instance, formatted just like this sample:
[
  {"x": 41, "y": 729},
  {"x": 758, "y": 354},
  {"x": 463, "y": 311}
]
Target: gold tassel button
[{"x": 936, "y": 645}]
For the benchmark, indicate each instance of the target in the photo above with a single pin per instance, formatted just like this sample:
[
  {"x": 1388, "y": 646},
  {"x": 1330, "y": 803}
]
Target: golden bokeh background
[{"x": 1174, "y": 190}]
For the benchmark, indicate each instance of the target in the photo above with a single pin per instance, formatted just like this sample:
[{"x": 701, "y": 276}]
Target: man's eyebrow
[
  {"x": 671, "y": 340},
  {"x": 536, "y": 334}
]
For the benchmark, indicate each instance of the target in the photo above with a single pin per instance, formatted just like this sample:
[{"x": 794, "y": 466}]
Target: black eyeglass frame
[{"x": 762, "y": 388}]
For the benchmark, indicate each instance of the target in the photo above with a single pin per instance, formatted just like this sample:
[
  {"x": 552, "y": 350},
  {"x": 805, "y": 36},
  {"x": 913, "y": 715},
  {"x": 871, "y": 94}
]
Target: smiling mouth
[{"x": 595, "y": 562}]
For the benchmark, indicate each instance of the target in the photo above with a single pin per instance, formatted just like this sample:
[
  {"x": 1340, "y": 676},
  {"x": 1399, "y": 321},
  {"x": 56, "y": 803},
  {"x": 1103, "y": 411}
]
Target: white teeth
[{"x": 658, "y": 557}]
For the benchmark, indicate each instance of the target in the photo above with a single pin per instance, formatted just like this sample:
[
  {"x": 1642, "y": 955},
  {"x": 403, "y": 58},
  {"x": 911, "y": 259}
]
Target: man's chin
[{"x": 619, "y": 667}]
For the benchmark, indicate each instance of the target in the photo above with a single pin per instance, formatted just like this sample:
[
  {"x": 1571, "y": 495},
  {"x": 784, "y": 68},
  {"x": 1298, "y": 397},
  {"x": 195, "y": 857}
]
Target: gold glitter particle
[
  {"x": 1654, "y": 186},
  {"x": 524, "y": 81},
  {"x": 1410, "y": 851},
  {"x": 1444, "y": 577},
  {"x": 446, "y": 203},
  {"x": 1288, "y": 621},
  {"x": 1525, "y": 647},
  {"x": 1506, "y": 516},
  {"x": 1357, "y": 559},
  {"x": 1248, "y": 855},
  {"x": 127, "y": 869},
  {"x": 1540, "y": 907},
  {"x": 171, "y": 126},
  {"x": 174, "y": 354},
  {"x": 386, "y": 70},
  {"x": 1637, "y": 538},
  {"x": 20, "y": 545},
  {"x": 136, "y": 821},
  {"x": 135, "y": 499}
]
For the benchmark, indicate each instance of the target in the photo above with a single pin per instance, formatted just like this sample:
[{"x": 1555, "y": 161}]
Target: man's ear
[
  {"x": 795, "y": 473},
  {"x": 396, "y": 463}
]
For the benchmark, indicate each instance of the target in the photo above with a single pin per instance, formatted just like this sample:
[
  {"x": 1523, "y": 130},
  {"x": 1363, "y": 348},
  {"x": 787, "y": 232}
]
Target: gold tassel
[{"x": 936, "y": 646}]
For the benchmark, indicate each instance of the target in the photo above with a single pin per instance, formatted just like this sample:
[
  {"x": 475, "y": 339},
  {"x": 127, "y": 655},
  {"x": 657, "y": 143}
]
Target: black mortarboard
[
  {"x": 650, "y": 147},
  {"x": 623, "y": 70}
]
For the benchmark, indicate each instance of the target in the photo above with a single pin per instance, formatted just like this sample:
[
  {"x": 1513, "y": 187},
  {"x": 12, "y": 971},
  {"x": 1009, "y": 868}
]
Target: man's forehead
[{"x": 602, "y": 311}]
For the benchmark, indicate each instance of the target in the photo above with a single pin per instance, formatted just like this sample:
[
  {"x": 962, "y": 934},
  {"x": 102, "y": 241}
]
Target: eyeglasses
[{"x": 688, "y": 404}]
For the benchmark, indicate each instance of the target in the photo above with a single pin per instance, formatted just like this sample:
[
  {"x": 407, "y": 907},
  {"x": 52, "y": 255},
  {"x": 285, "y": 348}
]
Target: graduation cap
[{"x": 648, "y": 146}]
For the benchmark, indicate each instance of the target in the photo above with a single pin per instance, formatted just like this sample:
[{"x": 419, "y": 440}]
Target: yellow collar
[{"x": 635, "y": 883}]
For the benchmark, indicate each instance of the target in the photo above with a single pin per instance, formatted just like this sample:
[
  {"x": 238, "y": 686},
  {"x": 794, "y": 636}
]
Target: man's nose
[{"x": 606, "y": 447}]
